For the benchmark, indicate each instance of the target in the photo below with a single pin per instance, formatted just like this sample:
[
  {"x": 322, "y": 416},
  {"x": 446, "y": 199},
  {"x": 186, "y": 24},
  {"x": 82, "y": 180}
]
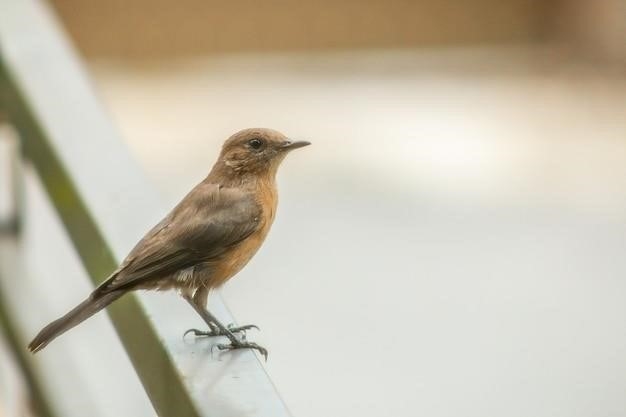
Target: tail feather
[{"x": 77, "y": 315}]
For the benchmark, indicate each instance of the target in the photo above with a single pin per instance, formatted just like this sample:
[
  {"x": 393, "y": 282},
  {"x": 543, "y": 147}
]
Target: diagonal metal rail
[{"x": 106, "y": 204}]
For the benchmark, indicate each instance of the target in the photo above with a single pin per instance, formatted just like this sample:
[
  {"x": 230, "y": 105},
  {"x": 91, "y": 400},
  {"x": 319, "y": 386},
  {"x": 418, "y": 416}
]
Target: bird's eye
[{"x": 255, "y": 143}]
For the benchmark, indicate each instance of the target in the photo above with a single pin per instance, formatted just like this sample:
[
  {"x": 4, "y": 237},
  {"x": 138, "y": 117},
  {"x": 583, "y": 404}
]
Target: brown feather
[{"x": 207, "y": 238}]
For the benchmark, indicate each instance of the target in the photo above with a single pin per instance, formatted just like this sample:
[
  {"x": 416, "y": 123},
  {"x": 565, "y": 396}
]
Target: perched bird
[{"x": 205, "y": 240}]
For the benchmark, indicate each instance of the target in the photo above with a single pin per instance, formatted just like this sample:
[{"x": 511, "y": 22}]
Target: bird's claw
[
  {"x": 197, "y": 332},
  {"x": 217, "y": 332},
  {"x": 244, "y": 345},
  {"x": 234, "y": 329}
]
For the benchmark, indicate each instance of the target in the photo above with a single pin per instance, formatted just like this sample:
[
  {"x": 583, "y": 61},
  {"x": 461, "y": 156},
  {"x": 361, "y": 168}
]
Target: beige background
[{"x": 192, "y": 27}]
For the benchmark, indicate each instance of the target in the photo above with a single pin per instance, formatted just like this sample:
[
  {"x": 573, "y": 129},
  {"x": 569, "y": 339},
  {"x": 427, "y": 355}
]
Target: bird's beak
[{"x": 290, "y": 145}]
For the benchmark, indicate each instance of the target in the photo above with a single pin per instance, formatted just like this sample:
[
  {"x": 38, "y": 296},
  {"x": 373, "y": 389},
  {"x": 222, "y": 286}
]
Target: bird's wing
[{"x": 208, "y": 221}]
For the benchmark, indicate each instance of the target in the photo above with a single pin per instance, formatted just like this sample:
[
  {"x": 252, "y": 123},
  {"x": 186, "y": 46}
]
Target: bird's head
[{"x": 257, "y": 151}]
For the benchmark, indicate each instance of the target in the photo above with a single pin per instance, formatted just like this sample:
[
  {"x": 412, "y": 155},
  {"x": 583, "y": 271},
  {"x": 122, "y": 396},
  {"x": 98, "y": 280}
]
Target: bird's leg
[
  {"x": 218, "y": 329},
  {"x": 198, "y": 301}
]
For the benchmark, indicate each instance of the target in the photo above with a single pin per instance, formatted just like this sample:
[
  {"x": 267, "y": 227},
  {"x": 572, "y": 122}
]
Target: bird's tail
[{"x": 80, "y": 313}]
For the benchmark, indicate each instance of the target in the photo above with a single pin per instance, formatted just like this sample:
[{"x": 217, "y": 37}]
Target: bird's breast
[{"x": 239, "y": 255}]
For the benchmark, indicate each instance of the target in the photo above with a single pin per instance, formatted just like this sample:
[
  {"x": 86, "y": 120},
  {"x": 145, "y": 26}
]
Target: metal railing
[{"x": 105, "y": 205}]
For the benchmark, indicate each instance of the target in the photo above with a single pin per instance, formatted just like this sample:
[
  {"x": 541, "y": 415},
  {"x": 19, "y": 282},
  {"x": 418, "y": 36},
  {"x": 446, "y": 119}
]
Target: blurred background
[{"x": 453, "y": 243}]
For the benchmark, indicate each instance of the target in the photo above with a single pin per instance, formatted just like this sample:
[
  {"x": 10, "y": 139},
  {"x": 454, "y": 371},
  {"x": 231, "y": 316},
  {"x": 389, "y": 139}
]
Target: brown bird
[{"x": 205, "y": 240}]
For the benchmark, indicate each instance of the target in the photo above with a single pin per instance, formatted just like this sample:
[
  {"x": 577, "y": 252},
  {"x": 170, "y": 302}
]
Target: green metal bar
[{"x": 166, "y": 392}]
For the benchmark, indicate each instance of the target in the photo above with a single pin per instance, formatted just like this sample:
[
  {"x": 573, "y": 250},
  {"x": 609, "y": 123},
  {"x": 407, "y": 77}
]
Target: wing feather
[{"x": 201, "y": 228}]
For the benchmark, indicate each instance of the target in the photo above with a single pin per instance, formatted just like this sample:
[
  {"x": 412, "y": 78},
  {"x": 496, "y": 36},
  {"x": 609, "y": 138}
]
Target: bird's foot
[
  {"x": 238, "y": 344},
  {"x": 216, "y": 331}
]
